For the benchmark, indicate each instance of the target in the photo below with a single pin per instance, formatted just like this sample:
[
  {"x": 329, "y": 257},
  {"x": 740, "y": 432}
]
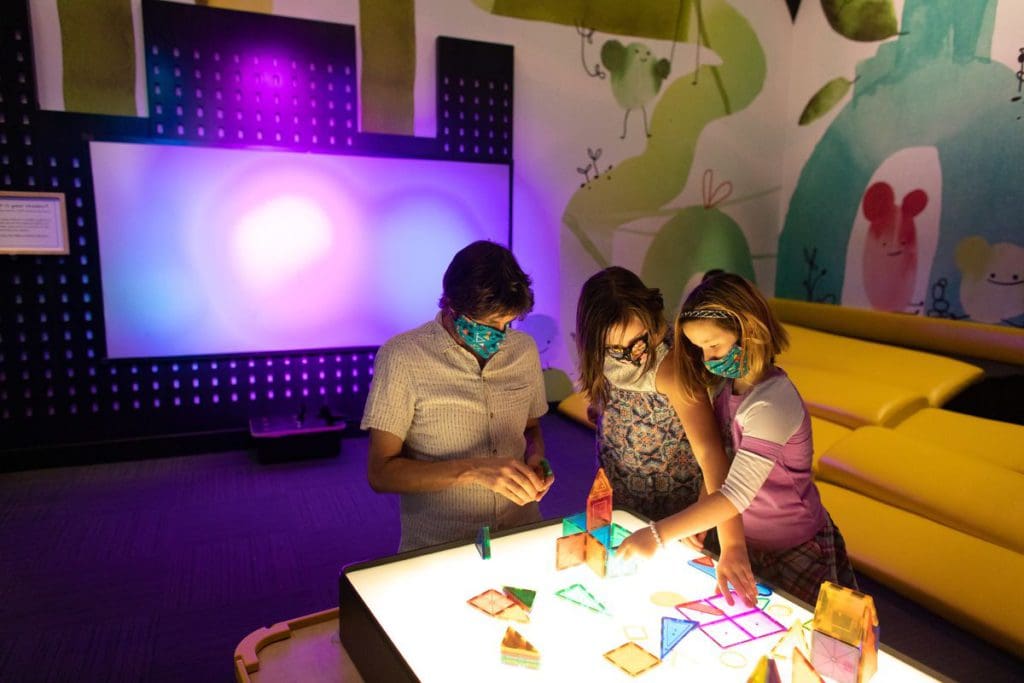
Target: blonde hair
[{"x": 734, "y": 304}]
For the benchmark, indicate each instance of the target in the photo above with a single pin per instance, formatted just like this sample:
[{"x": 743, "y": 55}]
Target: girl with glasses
[{"x": 659, "y": 445}]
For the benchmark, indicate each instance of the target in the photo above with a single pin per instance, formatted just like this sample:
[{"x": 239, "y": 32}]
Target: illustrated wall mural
[{"x": 910, "y": 201}]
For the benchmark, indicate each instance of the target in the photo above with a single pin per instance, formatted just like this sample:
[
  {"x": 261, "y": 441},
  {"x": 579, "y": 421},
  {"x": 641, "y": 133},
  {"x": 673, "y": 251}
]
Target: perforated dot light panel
[{"x": 214, "y": 78}]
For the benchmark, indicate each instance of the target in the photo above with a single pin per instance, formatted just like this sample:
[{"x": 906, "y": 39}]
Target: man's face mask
[
  {"x": 482, "y": 339},
  {"x": 732, "y": 366}
]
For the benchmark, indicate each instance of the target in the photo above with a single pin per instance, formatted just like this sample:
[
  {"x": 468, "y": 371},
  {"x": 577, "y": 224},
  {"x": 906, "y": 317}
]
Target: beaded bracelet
[{"x": 657, "y": 536}]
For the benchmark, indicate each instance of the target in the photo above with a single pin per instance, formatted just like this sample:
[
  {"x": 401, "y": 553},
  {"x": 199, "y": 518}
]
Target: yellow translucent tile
[{"x": 632, "y": 658}]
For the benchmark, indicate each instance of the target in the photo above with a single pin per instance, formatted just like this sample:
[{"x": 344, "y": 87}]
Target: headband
[{"x": 704, "y": 313}]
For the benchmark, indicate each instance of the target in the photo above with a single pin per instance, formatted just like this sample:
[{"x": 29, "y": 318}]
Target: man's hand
[
  {"x": 536, "y": 463},
  {"x": 510, "y": 478}
]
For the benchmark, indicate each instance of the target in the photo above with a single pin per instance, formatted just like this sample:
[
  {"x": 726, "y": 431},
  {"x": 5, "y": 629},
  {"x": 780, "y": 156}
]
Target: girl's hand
[
  {"x": 734, "y": 567},
  {"x": 696, "y": 541},
  {"x": 639, "y": 545}
]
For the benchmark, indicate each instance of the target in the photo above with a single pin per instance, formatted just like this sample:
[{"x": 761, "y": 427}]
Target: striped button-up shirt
[{"x": 431, "y": 392}]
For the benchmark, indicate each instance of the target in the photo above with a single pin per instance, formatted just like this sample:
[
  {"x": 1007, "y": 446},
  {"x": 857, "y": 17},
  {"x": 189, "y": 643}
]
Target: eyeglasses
[{"x": 632, "y": 352}]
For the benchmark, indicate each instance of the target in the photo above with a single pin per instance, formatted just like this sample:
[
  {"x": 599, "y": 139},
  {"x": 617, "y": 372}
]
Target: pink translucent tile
[
  {"x": 725, "y": 633},
  {"x": 700, "y": 611},
  {"x": 737, "y": 606},
  {"x": 759, "y": 624}
]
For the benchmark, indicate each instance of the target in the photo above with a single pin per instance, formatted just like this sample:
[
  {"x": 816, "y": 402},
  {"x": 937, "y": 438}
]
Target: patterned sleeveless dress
[{"x": 641, "y": 444}]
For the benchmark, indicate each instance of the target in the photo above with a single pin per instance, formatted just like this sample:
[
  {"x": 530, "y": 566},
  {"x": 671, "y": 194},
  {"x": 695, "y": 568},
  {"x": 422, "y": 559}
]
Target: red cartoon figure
[{"x": 890, "y": 250}]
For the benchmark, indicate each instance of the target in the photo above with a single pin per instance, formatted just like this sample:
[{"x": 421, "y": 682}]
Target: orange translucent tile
[
  {"x": 596, "y": 555},
  {"x": 571, "y": 550},
  {"x": 518, "y": 651},
  {"x": 793, "y": 639},
  {"x": 803, "y": 672},
  {"x": 514, "y": 612},
  {"x": 765, "y": 671},
  {"x": 845, "y": 614},
  {"x": 599, "y": 502},
  {"x": 490, "y": 602},
  {"x": 632, "y": 658}
]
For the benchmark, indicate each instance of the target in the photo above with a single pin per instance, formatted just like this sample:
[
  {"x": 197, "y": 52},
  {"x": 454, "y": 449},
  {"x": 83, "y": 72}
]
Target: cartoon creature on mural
[
  {"x": 992, "y": 280},
  {"x": 636, "y": 77},
  {"x": 690, "y": 239},
  {"x": 912, "y": 94},
  {"x": 890, "y": 251}
]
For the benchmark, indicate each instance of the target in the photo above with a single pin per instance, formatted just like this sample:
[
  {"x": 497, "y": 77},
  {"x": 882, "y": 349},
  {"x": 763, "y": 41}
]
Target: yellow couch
[{"x": 855, "y": 382}]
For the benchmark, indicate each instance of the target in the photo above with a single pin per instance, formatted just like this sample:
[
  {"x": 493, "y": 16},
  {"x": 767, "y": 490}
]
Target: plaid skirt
[{"x": 801, "y": 570}]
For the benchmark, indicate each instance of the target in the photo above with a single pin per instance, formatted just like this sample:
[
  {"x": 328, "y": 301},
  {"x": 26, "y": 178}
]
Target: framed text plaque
[{"x": 33, "y": 223}]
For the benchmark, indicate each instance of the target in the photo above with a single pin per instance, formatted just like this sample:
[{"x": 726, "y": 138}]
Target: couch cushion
[
  {"x": 1001, "y": 343},
  {"x": 850, "y": 400},
  {"x": 968, "y": 581},
  {"x": 575, "y": 406},
  {"x": 1000, "y": 443},
  {"x": 935, "y": 377},
  {"x": 825, "y": 433},
  {"x": 959, "y": 491}
]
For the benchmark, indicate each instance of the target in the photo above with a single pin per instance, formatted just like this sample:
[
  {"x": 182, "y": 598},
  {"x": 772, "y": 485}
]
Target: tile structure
[
  {"x": 591, "y": 537},
  {"x": 844, "y": 639}
]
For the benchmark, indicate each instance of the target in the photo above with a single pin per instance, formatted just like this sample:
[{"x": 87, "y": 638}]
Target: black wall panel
[{"x": 206, "y": 72}]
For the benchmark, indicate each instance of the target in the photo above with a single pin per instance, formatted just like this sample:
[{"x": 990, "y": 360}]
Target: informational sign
[{"x": 33, "y": 223}]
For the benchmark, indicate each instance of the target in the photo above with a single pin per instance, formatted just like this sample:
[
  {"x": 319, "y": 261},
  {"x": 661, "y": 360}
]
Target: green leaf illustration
[
  {"x": 825, "y": 99},
  {"x": 863, "y": 20}
]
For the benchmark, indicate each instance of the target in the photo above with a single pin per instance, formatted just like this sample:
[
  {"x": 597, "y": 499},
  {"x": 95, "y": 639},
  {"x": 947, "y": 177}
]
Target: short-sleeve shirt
[
  {"x": 772, "y": 422},
  {"x": 430, "y": 392}
]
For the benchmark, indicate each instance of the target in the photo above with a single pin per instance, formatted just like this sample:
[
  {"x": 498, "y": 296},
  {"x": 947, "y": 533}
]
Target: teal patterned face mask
[
  {"x": 482, "y": 339},
  {"x": 732, "y": 366}
]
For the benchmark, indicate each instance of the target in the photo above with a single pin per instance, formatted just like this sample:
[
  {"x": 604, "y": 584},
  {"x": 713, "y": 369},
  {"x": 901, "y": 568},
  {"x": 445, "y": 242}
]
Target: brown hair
[
  {"x": 611, "y": 297},
  {"x": 485, "y": 279},
  {"x": 736, "y": 305}
]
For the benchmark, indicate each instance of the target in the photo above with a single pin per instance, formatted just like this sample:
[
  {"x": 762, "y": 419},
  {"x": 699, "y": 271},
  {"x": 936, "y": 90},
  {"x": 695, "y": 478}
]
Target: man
[{"x": 454, "y": 408}]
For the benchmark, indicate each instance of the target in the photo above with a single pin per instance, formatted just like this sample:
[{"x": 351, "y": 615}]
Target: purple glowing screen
[{"x": 221, "y": 251}]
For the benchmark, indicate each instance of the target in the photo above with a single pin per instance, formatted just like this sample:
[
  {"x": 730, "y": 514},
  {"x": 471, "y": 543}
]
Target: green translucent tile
[
  {"x": 545, "y": 468},
  {"x": 574, "y": 524},
  {"x": 763, "y": 602},
  {"x": 579, "y": 595},
  {"x": 619, "y": 534},
  {"x": 619, "y": 567},
  {"x": 524, "y": 596},
  {"x": 483, "y": 542},
  {"x": 632, "y": 658}
]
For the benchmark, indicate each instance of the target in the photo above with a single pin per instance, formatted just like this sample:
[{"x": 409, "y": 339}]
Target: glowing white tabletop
[{"x": 408, "y": 616}]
